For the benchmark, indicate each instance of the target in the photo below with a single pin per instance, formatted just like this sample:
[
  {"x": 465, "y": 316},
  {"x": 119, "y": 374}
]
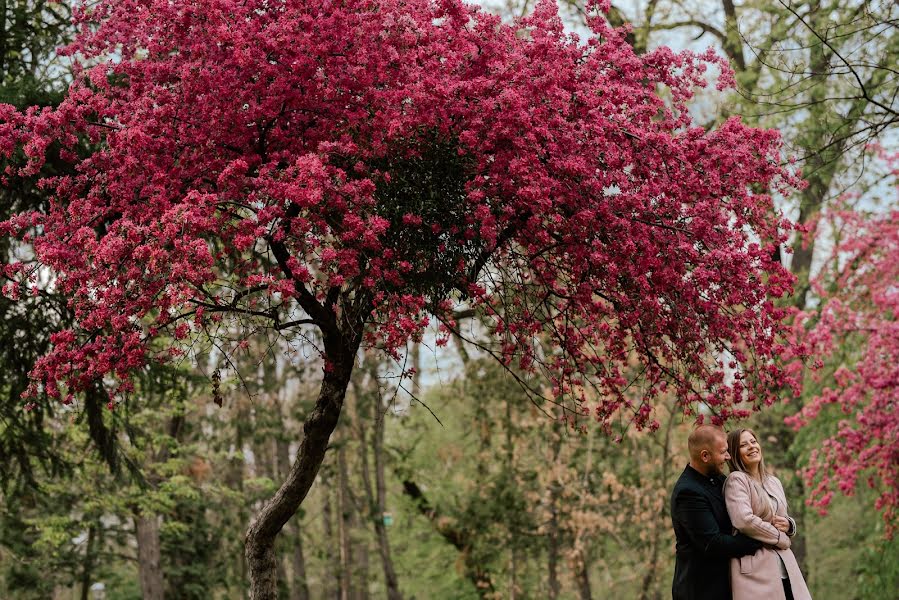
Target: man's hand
[{"x": 781, "y": 523}]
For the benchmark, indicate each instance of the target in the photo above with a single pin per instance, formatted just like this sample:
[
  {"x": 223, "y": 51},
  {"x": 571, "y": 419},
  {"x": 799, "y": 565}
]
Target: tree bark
[
  {"x": 267, "y": 461},
  {"x": 319, "y": 425},
  {"x": 553, "y": 541},
  {"x": 393, "y": 588},
  {"x": 510, "y": 467},
  {"x": 329, "y": 588},
  {"x": 355, "y": 553},
  {"x": 344, "y": 510},
  {"x": 234, "y": 479},
  {"x": 149, "y": 565},
  {"x": 4, "y": 45},
  {"x": 88, "y": 565},
  {"x": 583, "y": 578},
  {"x": 648, "y": 589},
  {"x": 3, "y": 42},
  {"x": 733, "y": 44}
]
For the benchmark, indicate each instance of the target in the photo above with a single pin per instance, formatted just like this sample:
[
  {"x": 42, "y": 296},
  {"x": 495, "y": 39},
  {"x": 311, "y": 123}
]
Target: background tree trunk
[
  {"x": 319, "y": 425},
  {"x": 299, "y": 586},
  {"x": 552, "y": 546},
  {"x": 582, "y": 575},
  {"x": 392, "y": 583},
  {"x": 649, "y": 590},
  {"x": 299, "y": 589},
  {"x": 3, "y": 44},
  {"x": 330, "y": 584},
  {"x": 87, "y": 566},
  {"x": 553, "y": 541},
  {"x": 149, "y": 565},
  {"x": 369, "y": 408},
  {"x": 347, "y": 591},
  {"x": 234, "y": 479}
]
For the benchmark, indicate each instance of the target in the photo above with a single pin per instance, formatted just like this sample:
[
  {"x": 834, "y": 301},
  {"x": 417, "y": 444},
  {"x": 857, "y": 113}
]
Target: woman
[{"x": 758, "y": 508}]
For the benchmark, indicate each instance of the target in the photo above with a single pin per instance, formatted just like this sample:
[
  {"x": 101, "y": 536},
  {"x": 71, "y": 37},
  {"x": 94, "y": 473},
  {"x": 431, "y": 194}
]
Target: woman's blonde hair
[{"x": 735, "y": 463}]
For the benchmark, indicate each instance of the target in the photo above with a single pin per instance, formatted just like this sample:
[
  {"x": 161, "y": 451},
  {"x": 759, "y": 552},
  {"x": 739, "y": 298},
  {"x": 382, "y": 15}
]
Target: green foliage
[
  {"x": 23, "y": 567},
  {"x": 878, "y": 568},
  {"x": 848, "y": 556},
  {"x": 429, "y": 183},
  {"x": 30, "y": 71},
  {"x": 190, "y": 546}
]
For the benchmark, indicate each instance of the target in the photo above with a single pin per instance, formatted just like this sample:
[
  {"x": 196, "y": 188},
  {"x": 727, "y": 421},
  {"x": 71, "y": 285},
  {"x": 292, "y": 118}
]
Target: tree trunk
[
  {"x": 268, "y": 461},
  {"x": 368, "y": 407},
  {"x": 733, "y": 44},
  {"x": 360, "y": 571},
  {"x": 415, "y": 361},
  {"x": 393, "y": 588},
  {"x": 354, "y": 555},
  {"x": 319, "y": 425},
  {"x": 344, "y": 511},
  {"x": 149, "y": 566},
  {"x": 583, "y": 578},
  {"x": 3, "y": 43},
  {"x": 234, "y": 479},
  {"x": 553, "y": 541},
  {"x": 510, "y": 468},
  {"x": 88, "y": 565},
  {"x": 329, "y": 588},
  {"x": 281, "y": 578},
  {"x": 481, "y": 579},
  {"x": 299, "y": 589}
]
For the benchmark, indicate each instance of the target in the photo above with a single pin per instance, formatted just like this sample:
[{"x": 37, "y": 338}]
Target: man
[{"x": 701, "y": 525}]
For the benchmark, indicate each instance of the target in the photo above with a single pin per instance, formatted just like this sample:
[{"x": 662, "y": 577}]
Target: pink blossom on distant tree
[{"x": 859, "y": 313}]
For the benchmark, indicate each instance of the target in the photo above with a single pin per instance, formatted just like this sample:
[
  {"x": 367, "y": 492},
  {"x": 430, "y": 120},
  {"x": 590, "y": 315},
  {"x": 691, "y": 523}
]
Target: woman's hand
[{"x": 781, "y": 523}]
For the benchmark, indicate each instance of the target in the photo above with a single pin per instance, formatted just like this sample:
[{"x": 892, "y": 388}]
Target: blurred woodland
[{"x": 454, "y": 482}]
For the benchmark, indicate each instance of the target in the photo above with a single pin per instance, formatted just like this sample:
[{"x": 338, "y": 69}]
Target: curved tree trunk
[{"x": 319, "y": 425}]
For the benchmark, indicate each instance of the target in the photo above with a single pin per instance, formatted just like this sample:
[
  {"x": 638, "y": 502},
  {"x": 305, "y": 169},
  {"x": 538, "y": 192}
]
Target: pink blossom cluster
[
  {"x": 370, "y": 164},
  {"x": 858, "y": 327}
]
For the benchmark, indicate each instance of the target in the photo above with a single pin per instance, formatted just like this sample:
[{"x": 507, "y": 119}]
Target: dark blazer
[{"x": 705, "y": 545}]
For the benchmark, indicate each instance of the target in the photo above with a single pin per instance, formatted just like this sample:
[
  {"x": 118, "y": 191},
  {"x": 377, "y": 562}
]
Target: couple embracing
[{"x": 733, "y": 532}]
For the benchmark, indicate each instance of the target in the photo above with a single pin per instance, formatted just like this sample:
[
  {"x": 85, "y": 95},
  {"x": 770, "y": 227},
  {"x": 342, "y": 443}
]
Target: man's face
[{"x": 716, "y": 456}]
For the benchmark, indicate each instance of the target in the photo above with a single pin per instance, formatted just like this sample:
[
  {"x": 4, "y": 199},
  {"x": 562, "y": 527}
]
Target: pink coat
[{"x": 758, "y": 576}]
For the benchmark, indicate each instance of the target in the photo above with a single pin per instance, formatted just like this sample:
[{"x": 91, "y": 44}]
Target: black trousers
[{"x": 787, "y": 589}]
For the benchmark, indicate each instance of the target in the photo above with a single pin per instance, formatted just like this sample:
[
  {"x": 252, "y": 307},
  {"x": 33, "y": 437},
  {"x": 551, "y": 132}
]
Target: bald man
[{"x": 703, "y": 530}]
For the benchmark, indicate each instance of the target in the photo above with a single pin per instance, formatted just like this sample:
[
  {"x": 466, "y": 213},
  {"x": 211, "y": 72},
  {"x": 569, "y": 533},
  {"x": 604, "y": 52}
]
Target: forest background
[{"x": 454, "y": 483}]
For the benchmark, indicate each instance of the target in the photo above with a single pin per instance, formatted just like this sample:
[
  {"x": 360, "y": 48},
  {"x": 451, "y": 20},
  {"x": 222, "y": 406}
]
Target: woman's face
[{"x": 750, "y": 451}]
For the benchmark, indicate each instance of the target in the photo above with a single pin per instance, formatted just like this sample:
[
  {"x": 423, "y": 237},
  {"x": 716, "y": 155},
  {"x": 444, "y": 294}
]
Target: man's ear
[{"x": 705, "y": 455}]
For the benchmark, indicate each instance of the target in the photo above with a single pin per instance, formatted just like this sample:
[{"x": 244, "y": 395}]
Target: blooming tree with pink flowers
[
  {"x": 348, "y": 171},
  {"x": 859, "y": 310}
]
